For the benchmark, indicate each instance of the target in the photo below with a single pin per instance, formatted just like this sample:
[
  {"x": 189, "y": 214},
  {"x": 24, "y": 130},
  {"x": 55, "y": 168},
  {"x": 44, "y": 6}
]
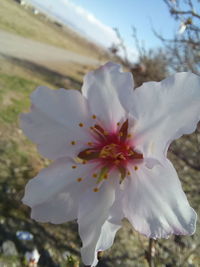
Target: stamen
[
  {"x": 128, "y": 173},
  {"x": 96, "y": 189},
  {"x": 122, "y": 157},
  {"x": 127, "y": 147},
  {"x": 135, "y": 168},
  {"x": 90, "y": 143},
  {"x": 81, "y": 124},
  {"x": 84, "y": 161},
  {"x": 124, "y": 131},
  {"x": 99, "y": 128},
  {"x": 94, "y": 175},
  {"x": 105, "y": 176},
  {"x": 118, "y": 123},
  {"x": 73, "y": 143},
  {"x": 74, "y": 166},
  {"x": 101, "y": 176},
  {"x": 79, "y": 179},
  {"x": 122, "y": 171},
  {"x": 129, "y": 135},
  {"x": 94, "y": 117}
]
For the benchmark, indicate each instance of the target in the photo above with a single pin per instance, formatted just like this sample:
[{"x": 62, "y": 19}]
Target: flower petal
[
  {"x": 100, "y": 88},
  {"x": 108, "y": 232},
  {"x": 163, "y": 111},
  {"x": 156, "y": 205},
  {"x": 54, "y": 193},
  {"x": 112, "y": 224},
  {"x": 53, "y": 122},
  {"x": 60, "y": 208},
  {"x": 93, "y": 213}
]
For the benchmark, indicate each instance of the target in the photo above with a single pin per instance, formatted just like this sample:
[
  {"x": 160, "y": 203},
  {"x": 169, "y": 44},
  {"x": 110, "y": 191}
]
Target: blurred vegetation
[
  {"x": 38, "y": 27},
  {"x": 151, "y": 65},
  {"x": 183, "y": 49},
  {"x": 19, "y": 161}
]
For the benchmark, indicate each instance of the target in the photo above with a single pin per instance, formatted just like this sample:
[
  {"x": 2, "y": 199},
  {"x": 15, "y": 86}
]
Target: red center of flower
[{"x": 111, "y": 150}]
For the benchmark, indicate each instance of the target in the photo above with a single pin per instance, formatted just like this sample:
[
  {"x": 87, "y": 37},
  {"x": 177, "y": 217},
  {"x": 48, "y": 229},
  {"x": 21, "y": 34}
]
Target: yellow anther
[
  {"x": 136, "y": 168},
  {"x": 129, "y": 135},
  {"x": 113, "y": 145},
  {"x": 94, "y": 117},
  {"x": 94, "y": 175},
  {"x": 121, "y": 157},
  {"x": 96, "y": 189},
  {"x": 74, "y": 166},
  {"x": 84, "y": 161},
  {"x": 91, "y": 128},
  {"x": 81, "y": 124},
  {"x": 105, "y": 176},
  {"x": 118, "y": 123},
  {"x": 128, "y": 173},
  {"x": 90, "y": 143},
  {"x": 88, "y": 152},
  {"x": 73, "y": 143},
  {"x": 105, "y": 133},
  {"x": 79, "y": 179}
]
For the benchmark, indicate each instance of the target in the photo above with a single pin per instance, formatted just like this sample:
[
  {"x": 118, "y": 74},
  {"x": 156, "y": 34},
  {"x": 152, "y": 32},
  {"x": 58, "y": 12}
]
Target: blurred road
[{"x": 46, "y": 55}]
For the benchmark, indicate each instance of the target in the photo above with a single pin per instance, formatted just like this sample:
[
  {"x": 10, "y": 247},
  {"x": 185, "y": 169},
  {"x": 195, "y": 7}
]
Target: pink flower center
[{"x": 111, "y": 150}]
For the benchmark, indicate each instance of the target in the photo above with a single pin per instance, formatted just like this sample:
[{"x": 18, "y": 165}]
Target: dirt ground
[{"x": 54, "y": 58}]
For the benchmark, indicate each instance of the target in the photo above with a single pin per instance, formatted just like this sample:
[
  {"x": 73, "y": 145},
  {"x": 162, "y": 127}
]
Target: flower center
[
  {"x": 119, "y": 153},
  {"x": 111, "y": 150}
]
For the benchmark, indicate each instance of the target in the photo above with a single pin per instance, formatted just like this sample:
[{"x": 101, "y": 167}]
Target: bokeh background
[{"x": 54, "y": 43}]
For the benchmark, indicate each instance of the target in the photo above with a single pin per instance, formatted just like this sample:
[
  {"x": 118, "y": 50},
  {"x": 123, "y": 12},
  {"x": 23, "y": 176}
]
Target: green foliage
[
  {"x": 71, "y": 262},
  {"x": 14, "y": 93}
]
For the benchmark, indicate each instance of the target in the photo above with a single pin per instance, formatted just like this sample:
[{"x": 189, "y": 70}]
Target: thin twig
[{"x": 149, "y": 254}]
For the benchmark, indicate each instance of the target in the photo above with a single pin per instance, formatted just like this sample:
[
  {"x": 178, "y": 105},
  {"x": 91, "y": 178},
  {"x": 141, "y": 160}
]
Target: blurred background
[{"x": 54, "y": 43}]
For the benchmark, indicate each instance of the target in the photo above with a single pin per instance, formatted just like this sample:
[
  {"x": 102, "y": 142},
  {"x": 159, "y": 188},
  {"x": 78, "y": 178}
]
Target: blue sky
[
  {"x": 96, "y": 19},
  {"x": 143, "y": 14}
]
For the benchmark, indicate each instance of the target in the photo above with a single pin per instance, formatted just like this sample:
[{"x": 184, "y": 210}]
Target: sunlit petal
[
  {"x": 100, "y": 89},
  {"x": 53, "y": 123},
  {"x": 155, "y": 203},
  {"x": 163, "y": 111}
]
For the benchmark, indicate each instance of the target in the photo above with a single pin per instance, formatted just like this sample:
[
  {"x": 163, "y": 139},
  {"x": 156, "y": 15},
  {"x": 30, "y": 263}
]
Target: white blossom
[{"x": 109, "y": 146}]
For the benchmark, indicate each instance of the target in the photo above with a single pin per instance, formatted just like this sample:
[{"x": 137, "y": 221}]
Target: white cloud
[{"x": 80, "y": 20}]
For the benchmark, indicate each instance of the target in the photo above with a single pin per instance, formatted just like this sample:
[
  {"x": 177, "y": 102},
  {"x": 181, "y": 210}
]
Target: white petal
[
  {"x": 155, "y": 203},
  {"x": 65, "y": 106},
  {"x": 54, "y": 193},
  {"x": 93, "y": 213},
  {"x": 53, "y": 122},
  {"x": 164, "y": 111},
  {"x": 107, "y": 235},
  {"x": 113, "y": 223},
  {"x": 60, "y": 208},
  {"x": 100, "y": 88}
]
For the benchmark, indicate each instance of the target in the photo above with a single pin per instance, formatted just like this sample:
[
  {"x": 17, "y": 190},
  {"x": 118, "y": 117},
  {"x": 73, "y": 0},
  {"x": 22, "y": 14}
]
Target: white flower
[
  {"x": 182, "y": 28},
  {"x": 33, "y": 256},
  {"x": 109, "y": 148}
]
